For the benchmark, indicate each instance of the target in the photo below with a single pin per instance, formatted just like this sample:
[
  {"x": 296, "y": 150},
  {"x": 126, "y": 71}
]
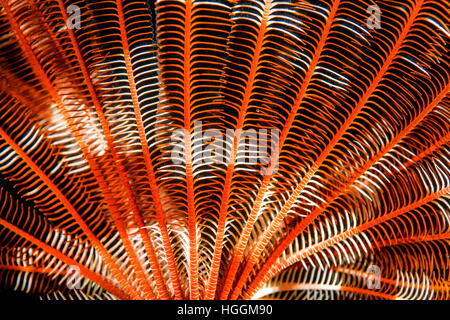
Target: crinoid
[{"x": 214, "y": 149}]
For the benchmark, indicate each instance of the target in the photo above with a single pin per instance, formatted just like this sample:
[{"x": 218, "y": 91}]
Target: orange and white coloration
[{"x": 119, "y": 178}]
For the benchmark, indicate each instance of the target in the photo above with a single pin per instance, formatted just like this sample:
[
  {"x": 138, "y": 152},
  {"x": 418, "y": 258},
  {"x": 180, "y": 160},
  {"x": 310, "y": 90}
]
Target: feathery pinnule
[{"x": 218, "y": 149}]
